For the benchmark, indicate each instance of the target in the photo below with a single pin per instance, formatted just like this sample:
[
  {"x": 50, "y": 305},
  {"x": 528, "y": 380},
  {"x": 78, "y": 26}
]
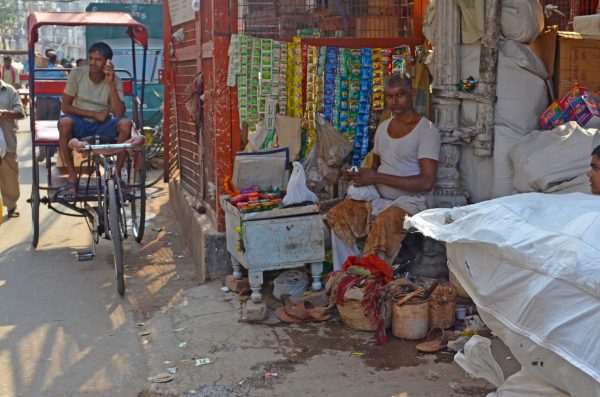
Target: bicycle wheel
[
  {"x": 136, "y": 178},
  {"x": 114, "y": 225}
]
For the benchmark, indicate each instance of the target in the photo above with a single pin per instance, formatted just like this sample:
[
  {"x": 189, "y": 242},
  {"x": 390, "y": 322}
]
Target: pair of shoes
[
  {"x": 13, "y": 213},
  {"x": 303, "y": 311},
  {"x": 436, "y": 341}
]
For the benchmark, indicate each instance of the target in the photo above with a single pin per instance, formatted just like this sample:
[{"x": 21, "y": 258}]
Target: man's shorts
[{"x": 85, "y": 128}]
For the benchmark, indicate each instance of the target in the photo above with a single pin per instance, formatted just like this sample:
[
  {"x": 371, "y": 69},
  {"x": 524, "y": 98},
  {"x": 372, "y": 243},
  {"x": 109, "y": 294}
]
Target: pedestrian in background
[
  {"x": 48, "y": 107},
  {"x": 10, "y": 74},
  {"x": 11, "y": 110}
]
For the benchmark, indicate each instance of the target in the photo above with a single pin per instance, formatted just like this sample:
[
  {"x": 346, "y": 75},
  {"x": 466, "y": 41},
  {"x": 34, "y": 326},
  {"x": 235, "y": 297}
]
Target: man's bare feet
[{"x": 76, "y": 144}]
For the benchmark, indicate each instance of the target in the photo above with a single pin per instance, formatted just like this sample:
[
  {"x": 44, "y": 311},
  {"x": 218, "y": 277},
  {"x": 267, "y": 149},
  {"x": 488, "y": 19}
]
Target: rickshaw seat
[{"x": 46, "y": 131}]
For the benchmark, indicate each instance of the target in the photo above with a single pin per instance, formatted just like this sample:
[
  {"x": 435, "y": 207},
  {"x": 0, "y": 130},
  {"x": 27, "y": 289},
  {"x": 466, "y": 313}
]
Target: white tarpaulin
[{"x": 531, "y": 264}]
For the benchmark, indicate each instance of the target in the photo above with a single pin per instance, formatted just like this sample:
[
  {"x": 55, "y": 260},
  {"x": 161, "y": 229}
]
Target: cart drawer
[{"x": 284, "y": 240}]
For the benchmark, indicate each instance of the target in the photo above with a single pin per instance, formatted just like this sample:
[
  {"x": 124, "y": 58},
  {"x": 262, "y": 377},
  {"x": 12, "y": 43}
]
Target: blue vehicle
[{"x": 149, "y": 15}]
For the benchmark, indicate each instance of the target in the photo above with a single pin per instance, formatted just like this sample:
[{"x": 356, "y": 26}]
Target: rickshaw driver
[{"x": 93, "y": 94}]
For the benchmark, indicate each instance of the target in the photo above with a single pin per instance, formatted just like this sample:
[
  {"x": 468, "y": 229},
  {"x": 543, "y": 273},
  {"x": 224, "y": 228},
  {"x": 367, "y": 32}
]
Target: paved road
[{"x": 64, "y": 330}]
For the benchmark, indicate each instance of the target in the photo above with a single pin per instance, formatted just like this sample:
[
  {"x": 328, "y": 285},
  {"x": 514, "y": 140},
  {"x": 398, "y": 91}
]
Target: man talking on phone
[{"x": 93, "y": 104}]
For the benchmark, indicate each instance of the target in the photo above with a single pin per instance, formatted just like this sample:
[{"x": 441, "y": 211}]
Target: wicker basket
[{"x": 352, "y": 314}]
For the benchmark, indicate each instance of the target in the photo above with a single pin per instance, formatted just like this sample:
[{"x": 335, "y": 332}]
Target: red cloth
[
  {"x": 345, "y": 283},
  {"x": 378, "y": 267}
]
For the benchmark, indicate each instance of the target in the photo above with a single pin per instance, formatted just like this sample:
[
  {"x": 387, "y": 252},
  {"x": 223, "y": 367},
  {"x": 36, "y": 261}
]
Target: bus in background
[{"x": 149, "y": 15}]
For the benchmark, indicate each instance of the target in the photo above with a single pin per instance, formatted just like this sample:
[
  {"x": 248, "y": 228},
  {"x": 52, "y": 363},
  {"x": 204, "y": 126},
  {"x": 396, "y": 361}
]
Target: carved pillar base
[{"x": 448, "y": 191}]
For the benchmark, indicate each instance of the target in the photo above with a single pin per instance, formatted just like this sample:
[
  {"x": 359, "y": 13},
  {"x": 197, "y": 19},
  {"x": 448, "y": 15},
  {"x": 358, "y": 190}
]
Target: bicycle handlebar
[{"x": 111, "y": 146}]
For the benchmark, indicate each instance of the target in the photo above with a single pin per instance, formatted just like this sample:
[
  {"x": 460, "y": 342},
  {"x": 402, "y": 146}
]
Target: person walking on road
[
  {"x": 10, "y": 74},
  {"x": 48, "y": 107},
  {"x": 11, "y": 110}
]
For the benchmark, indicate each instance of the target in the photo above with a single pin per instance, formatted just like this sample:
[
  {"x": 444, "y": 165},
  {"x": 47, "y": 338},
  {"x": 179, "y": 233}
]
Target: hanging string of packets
[
  {"x": 345, "y": 85},
  {"x": 361, "y": 140}
]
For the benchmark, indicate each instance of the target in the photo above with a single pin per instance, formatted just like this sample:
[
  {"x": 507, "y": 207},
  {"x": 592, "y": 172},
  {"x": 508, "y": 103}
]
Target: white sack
[
  {"x": 504, "y": 141},
  {"x": 548, "y": 158},
  {"x": 530, "y": 264},
  {"x": 523, "y": 384},
  {"x": 478, "y": 361},
  {"x": 477, "y": 174},
  {"x": 521, "y": 91},
  {"x": 588, "y": 25},
  {"x": 522, "y": 20}
]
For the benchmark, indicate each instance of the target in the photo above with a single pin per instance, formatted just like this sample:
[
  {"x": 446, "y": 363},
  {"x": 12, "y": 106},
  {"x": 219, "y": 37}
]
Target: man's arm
[
  {"x": 16, "y": 111},
  {"x": 67, "y": 107},
  {"x": 116, "y": 104},
  {"x": 419, "y": 183}
]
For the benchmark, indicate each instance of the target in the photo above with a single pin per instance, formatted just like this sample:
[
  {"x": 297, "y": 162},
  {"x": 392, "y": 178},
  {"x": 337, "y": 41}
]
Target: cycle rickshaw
[{"x": 104, "y": 199}]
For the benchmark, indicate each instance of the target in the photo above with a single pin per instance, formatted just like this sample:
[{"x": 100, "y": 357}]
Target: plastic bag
[
  {"x": 332, "y": 149},
  {"x": 314, "y": 178},
  {"x": 363, "y": 193},
  {"x": 297, "y": 192},
  {"x": 257, "y": 137},
  {"x": 291, "y": 282},
  {"x": 478, "y": 361},
  {"x": 523, "y": 384}
]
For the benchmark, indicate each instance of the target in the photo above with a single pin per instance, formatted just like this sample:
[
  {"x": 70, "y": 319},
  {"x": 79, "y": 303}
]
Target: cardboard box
[
  {"x": 577, "y": 61},
  {"x": 570, "y": 58}
]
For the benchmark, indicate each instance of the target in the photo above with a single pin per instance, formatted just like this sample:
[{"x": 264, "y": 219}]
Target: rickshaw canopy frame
[{"x": 137, "y": 31}]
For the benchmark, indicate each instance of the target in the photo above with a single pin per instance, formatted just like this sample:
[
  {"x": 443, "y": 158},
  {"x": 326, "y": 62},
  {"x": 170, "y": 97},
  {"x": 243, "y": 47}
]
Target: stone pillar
[{"x": 446, "y": 102}]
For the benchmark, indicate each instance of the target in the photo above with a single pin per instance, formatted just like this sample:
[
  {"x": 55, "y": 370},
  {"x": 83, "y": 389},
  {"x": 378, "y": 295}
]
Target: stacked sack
[{"x": 521, "y": 89}]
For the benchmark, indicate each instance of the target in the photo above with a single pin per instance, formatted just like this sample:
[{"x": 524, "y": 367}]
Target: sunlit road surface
[{"x": 64, "y": 330}]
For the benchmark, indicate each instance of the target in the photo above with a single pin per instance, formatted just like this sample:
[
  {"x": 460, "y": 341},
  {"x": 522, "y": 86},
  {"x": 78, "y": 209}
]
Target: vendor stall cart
[{"x": 281, "y": 238}]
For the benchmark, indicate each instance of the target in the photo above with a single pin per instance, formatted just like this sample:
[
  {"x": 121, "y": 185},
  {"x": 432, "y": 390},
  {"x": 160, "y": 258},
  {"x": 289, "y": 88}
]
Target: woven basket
[{"x": 352, "y": 314}]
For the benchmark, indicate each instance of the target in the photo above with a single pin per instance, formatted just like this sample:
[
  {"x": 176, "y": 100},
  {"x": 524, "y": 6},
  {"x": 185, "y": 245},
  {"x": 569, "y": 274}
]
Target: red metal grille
[
  {"x": 568, "y": 10},
  {"x": 283, "y": 19}
]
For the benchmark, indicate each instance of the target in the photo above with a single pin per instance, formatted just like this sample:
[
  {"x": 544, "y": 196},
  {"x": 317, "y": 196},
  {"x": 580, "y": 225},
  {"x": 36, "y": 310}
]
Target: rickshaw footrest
[{"x": 84, "y": 255}]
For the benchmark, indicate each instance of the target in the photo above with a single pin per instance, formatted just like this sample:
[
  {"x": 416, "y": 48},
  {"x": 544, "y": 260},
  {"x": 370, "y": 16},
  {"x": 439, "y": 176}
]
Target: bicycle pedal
[{"x": 84, "y": 255}]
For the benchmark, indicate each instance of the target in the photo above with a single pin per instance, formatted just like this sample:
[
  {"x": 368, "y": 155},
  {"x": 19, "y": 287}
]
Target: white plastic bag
[
  {"x": 291, "y": 282},
  {"x": 2, "y": 144},
  {"x": 524, "y": 384},
  {"x": 478, "y": 361},
  {"x": 363, "y": 193},
  {"x": 297, "y": 192}
]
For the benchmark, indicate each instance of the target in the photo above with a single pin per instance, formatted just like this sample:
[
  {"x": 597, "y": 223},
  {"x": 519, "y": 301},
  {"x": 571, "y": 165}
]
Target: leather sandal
[{"x": 436, "y": 341}]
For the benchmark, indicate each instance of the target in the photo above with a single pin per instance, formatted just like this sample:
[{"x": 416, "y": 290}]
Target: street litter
[
  {"x": 179, "y": 256},
  {"x": 158, "y": 229},
  {"x": 202, "y": 361},
  {"x": 141, "y": 324},
  {"x": 162, "y": 377},
  {"x": 225, "y": 289},
  {"x": 167, "y": 362},
  {"x": 145, "y": 333},
  {"x": 183, "y": 344},
  {"x": 431, "y": 375},
  {"x": 270, "y": 374},
  {"x": 172, "y": 370},
  {"x": 180, "y": 329},
  {"x": 358, "y": 354}
]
